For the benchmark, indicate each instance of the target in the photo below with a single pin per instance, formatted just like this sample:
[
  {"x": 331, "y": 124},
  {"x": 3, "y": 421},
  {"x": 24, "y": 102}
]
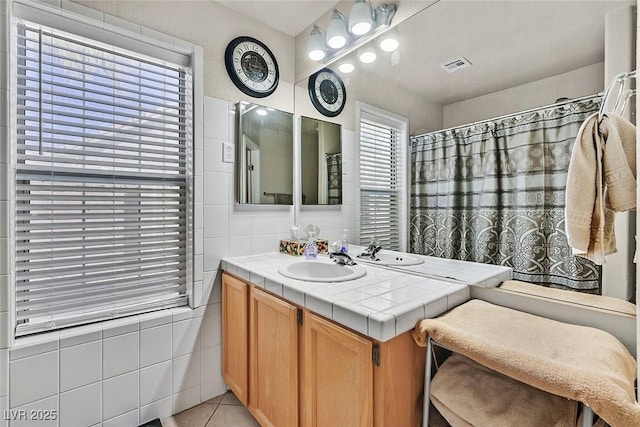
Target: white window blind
[
  {"x": 101, "y": 217},
  {"x": 380, "y": 184}
]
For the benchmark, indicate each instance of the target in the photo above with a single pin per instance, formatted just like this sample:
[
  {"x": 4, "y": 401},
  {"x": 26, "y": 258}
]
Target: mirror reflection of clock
[
  {"x": 254, "y": 66},
  {"x": 328, "y": 91}
]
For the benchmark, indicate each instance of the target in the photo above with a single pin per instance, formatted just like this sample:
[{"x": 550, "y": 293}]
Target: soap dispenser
[
  {"x": 310, "y": 248},
  {"x": 345, "y": 242}
]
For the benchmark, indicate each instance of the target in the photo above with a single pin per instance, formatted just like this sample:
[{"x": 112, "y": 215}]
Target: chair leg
[
  {"x": 587, "y": 416},
  {"x": 427, "y": 383}
]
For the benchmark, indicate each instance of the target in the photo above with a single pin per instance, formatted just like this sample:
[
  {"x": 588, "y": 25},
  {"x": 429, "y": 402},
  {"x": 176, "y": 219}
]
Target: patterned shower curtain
[
  {"x": 494, "y": 193},
  {"x": 334, "y": 177}
]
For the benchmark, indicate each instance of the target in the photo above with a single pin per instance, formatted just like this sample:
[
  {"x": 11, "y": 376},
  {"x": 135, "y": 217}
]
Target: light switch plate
[{"x": 228, "y": 152}]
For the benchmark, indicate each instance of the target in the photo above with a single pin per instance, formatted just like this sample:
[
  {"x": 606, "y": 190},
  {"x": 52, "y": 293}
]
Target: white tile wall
[
  {"x": 155, "y": 383},
  {"x": 159, "y": 409},
  {"x": 128, "y": 419},
  {"x": 155, "y": 345},
  {"x": 186, "y": 399},
  {"x": 120, "y": 395},
  {"x": 21, "y": 416},
  {"x": 81, "y": 407},
  {"x": 33, "y": 378},
  {"x": 113, "y": 350},
  {"x": 186, "y": 337},
  {"x": 186, "y": 372},
  {"x": 80, "y": 365}
]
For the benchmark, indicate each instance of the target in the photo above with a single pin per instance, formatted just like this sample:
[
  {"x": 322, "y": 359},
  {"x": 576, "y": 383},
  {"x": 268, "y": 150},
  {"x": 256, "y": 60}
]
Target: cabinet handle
[{"x": 375, "y": 354}]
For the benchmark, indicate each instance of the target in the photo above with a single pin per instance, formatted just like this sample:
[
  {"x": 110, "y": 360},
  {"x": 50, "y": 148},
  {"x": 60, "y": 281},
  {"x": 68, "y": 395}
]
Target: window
[
  {"x": 382, "y": 185},
  {"x": 101, "y": 195}
]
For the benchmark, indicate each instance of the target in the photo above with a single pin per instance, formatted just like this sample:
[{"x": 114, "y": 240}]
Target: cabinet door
[
  {"x": 235, "y": 336},
  {"x": 273, "y": 361},
  {"x": 337, "y": 376},
  {"x": 399, "y": 383}
]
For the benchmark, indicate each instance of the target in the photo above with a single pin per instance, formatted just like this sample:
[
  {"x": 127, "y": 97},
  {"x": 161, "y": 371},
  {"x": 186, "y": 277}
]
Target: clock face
[
  {"x": 251, "y": 66},
  {"x": 327, "y": 92}
]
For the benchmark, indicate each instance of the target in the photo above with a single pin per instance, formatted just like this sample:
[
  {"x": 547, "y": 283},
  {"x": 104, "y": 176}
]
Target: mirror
[
  {"x": 265, "y": 155},
  {"x": 321, "y": 162},
  {"x": 522, "y": 55}
]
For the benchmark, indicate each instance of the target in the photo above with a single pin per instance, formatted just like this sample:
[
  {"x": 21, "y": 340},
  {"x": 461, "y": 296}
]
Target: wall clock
[
  {"x": 327, "y": 92},
  {"x": 251, "y": 66}
]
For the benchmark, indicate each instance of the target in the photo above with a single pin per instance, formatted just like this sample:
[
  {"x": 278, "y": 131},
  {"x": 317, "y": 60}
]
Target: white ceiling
[{"x": 289, "y": 16}]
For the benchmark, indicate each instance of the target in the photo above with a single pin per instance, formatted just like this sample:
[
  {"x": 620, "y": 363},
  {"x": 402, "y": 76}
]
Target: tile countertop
[{"x": 383, "y": 304}]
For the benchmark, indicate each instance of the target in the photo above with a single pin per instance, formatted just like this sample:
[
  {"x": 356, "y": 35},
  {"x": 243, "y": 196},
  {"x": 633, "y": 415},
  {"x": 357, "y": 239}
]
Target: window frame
[
  {"x": 130, "y": 40},
  {"x": 401, "y": 124}
]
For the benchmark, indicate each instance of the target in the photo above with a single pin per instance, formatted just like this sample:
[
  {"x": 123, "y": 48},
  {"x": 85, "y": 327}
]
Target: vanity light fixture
[
  {"x": 367, "y": 55},
  {"x": 346, "y": 67},
  {"x": 316, "y": 47},
  {"x": 337, "y": 34},
  {"x": 342, "y": 35}
]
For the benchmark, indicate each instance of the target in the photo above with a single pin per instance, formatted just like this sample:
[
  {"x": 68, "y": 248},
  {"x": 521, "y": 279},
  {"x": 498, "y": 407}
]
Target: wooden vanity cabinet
[
  {"x": 273, "y": 360},
  {"x": 235, "y": 336},
  {"x": 318, "y": 374}
]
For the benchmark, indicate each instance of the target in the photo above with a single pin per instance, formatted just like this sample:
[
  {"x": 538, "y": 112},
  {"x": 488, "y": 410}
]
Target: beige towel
[
  {"x": 576, "y": 362},
  {"x": 600, "y": 181},
  {"x": 468, "y": 394}
]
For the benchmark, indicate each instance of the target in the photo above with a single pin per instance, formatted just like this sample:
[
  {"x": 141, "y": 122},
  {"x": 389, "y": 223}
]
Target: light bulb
[
  {"x": 360, "y": 18},
  {"x": 316, "y": 49},
  {"x": 367, "y": 56},
  {"x": 389, "y": 40},
  {"x": 389, "y": 44},
  {"x": 337, "y": 30},
  {"x": 346, "y": 67},
  {"x": 261, "y": 112}
]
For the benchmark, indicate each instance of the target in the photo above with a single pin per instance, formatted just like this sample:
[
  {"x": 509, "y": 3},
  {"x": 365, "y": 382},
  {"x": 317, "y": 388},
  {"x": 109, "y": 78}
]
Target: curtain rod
[{"x": 506, "y": 116}]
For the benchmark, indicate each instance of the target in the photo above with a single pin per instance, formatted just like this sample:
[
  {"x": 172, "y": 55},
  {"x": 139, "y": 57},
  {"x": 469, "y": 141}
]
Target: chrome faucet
[
  {"x": 341, "y": 258},
  {"x": 371, "y": 251}
]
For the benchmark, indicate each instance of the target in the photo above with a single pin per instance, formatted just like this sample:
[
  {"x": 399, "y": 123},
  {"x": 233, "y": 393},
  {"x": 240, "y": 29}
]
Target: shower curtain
[
  {"x": 334, "y": 178},
  {"x": 494, "y": 193}
]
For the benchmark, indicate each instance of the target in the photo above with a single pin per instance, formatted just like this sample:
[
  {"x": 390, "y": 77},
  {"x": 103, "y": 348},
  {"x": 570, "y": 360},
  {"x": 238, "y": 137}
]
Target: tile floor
[{"x": 222, "y": 411}]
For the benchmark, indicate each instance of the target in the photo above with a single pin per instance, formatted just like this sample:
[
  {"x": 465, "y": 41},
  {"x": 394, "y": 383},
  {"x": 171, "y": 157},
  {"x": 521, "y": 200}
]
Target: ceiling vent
[{"x": 457, "y": 64}]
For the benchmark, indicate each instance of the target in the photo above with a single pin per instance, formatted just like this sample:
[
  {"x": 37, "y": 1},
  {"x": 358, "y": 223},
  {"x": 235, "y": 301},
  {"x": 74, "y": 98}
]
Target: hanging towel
[{"x": 601, "y": 181}]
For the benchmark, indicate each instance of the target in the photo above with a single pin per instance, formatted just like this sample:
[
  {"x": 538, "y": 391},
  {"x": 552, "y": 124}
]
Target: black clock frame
[
  {"x": 228, "y": 62},
  {"x": 314, "y": 99}
]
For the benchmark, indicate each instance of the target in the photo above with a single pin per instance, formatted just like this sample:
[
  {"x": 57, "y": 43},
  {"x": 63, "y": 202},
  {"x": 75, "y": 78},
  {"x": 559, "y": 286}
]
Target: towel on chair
[
  {"x": 469, "y": 394},
  {"x": 601, "y": 181},
  {"x": 577, "y": 362}
]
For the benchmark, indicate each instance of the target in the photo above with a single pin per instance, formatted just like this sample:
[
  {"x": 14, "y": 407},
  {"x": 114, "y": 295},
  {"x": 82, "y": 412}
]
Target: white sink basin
[
  {"x": 313, "y": 271},
  {"x": 389, "y": 259}
]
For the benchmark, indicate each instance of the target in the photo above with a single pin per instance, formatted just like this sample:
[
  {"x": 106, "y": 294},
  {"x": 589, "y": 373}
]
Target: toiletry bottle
[
  {"x": 345, "y": 242},
  {"x": 310, "y": 248}
]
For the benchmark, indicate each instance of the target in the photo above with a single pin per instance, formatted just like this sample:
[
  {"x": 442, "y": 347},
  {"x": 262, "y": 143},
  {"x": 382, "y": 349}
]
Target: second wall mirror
[
  {"x": 321, "y": 162},
  {"x": 265, "y": 155}
]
